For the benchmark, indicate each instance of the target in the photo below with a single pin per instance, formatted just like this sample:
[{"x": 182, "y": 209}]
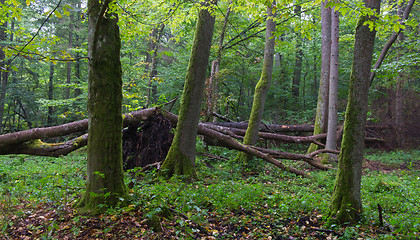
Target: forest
[{"x": 209, "y": 119}]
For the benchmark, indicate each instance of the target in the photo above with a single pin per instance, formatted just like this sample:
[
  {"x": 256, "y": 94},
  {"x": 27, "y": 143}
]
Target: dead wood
[
  {"x": 27, "y": 141},
  {"x": 147, "y": 142},
  {"x": 239, "y": 133},
  {"x": 231, "y": 143},
  {"x": 267, "y": 127}
]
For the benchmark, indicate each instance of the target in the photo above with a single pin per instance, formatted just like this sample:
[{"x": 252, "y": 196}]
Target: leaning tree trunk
[
  {"x": 181, "y": 156},
  {"x": 105, "y": 181},
  {"x": 261, "y": 88},
  {"x": 346, "y": 204},
  {"x": 322, "y": 105}
]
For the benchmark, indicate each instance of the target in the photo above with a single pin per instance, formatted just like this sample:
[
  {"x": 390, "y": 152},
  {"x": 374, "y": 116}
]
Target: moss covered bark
[
  {"x": 181, "y": 156},
  {"x": 261, "y": 89},
  {"x": 105, "y": 185},
  {"x": 346, "y": 204}
]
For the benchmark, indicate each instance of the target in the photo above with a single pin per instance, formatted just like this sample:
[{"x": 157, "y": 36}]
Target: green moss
[{"x": 177, "y": 163}]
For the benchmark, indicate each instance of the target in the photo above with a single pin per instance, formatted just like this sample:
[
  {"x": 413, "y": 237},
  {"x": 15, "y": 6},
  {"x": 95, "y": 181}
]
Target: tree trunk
[
  {"x": 152, "y": 62},
  {"x": 322, "y": 106},
  {"x": 3, "y": 72},
  {"x": 105, "y": 181},
  {"x": 50, "y": 95},
  {"x": 212, "y": 91},
  {"x": 346, "y": 203},
  {"x": 181, "y": 156},
  {"x": 68, "y": 64},
  {"x": 261, "y": 89},
  {"x": 331, "y": 142},
  {"x": 297, "y": 72}
]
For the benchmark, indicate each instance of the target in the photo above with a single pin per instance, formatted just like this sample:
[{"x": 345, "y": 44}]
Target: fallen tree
[{"x": 28, "y": 141}]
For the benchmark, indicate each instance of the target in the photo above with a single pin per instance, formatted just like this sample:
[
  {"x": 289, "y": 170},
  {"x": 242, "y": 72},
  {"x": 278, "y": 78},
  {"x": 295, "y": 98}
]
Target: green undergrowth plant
[{"x": 223, "y": 200}]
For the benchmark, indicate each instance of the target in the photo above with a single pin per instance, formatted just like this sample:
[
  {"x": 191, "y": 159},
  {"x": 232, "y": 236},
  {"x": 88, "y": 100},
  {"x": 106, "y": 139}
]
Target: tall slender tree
[
  {"x": 181, "y": 156},
  {"x": 321, "y": 117},
  {"x": 261, "y": 89},
  {"x": 105, "y": 181},
  {"x": 331, "y": 141},
  {"x": 346, "y": 203}
]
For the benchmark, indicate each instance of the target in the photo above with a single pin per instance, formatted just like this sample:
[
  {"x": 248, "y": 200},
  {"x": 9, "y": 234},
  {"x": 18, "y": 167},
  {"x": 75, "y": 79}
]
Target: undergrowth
[{"x": 223, "y": 204}]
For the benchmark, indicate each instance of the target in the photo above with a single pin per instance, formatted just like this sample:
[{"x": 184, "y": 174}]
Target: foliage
[{"x": 222, "y": 204}]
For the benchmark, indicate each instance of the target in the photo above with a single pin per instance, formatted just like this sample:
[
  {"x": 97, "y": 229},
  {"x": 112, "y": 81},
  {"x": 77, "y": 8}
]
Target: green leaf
[
  {"x": 14, "y": 68},
  {"x": 58, "y": 14}
]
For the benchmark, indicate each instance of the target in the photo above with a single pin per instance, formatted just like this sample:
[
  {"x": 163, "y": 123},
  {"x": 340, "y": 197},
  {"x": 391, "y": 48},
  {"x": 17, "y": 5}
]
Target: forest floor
[{"x": 37, "y": 195}]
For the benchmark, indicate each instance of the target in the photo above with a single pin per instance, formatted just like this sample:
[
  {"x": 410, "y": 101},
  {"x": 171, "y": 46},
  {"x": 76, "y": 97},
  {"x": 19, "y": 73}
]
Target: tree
[
  {"x": 346, "y": 203},
  {"x": 105, "y": 182},
  {"x": 261, "y": 88},
  {"x": 297, "y": 71},
  {"x": 331, "y": 141},
  {"x": 322, "y": 105},
  {"x": 181, "y": 156}
]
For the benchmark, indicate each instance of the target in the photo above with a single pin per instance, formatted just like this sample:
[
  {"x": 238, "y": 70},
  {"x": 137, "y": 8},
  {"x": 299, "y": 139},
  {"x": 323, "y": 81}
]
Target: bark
[
  {"x": 152, "y": 62},
  {"x": 181, "y": 156},
  {"x": 267, "y": 127},
  {"x": 239, "y": 133},
  {"x": 261, "y": 89},
  {"x": 297, "y": 72},
  {"x": 331, "y": 142},
  {"x": 3, "y": 72},
  {"x": 346, "y": 203},
  {"x": 212, "y": 89},
  {"x": 68, "y": 64},
  {"x": 231, "y": 143},
  {"x": 50, "y": 95},
  {"x": 322, "y": 105},
  {"x": 29, "y": 141},
  {"x": 105, "y": 179}
]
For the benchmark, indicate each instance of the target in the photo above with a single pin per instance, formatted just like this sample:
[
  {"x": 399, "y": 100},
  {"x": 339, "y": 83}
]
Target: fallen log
[
  {"x": 267, "y": 127},
  {"x": 18, "y": 143},
  {"x": 231, "y": 143},
  {"x": 28, "y": 141},
  {"x": 239, "y": 133}
]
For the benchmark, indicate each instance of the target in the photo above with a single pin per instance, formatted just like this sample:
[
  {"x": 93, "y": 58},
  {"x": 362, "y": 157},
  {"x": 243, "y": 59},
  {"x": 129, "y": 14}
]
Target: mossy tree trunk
[
  {"x": 321, "y": 117},
  {"x": 105, "y": 183},
  {"x": 261, "y": 89},
  {"x": 181, "y": 156},
  {"x": 346, "y": 204}
]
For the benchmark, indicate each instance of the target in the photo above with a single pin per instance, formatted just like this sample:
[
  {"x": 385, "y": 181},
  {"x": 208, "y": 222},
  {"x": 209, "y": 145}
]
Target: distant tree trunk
[
  {"x": 68, "y": 64},
  {"x": 261, "y": 89},
  {"x": 152, "y": 62},
  {"x": 331, "y": 141},
  {"x": 181, "y": 156},
  {"x": 212, "y": 91},
  {"x": 77, "y": 91},
  {"x": 105, "y": 181},
  {"x": 399, "y": 123},
  {"x": 297, "y": 72},
  {"x": 50, "y": 95},
  {"x": 322, "y": 105},
  {"x": 3, "y": 72},
  {"x": 346, "y": 203}
]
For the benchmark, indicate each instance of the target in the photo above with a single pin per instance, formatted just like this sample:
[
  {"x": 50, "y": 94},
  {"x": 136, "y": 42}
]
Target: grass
[{"x": 37, "y": 194}]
